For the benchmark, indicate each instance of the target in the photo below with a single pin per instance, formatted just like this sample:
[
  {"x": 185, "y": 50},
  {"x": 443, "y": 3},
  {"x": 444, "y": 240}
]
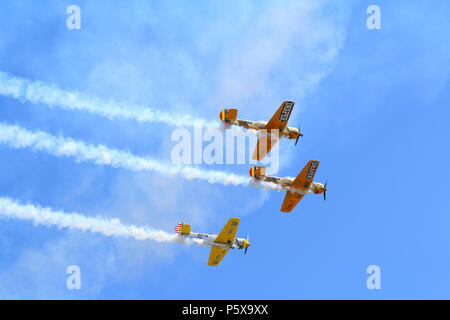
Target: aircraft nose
[{"x": 245, "y": 246}]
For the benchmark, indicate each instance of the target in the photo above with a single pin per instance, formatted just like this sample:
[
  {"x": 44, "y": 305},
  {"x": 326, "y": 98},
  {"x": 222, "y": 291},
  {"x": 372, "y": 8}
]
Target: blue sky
[{"x": 371, "y": 103}]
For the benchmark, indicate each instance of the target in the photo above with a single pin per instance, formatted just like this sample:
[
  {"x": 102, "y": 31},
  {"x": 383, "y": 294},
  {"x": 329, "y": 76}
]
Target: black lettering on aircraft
[
  {"x": 285, "y": 112},
  {"x": 312, "y": 170}
]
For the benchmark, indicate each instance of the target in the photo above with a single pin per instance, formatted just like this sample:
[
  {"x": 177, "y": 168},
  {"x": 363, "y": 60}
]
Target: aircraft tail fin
[
  {"x": 257, "y": 171},
  {"x": 183, "y": 228},
  {"x": 228, "y": 114}
]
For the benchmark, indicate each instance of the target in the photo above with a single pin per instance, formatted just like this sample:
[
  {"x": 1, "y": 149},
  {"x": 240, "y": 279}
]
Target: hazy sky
[{"x": 372, "y": 104}]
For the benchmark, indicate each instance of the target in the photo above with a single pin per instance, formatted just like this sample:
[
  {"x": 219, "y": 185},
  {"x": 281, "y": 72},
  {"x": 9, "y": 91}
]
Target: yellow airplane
[
  {"x": 278, "y": 122},
  {"x": 296, "y": 188},
  {"x": 221, "y": 243}
]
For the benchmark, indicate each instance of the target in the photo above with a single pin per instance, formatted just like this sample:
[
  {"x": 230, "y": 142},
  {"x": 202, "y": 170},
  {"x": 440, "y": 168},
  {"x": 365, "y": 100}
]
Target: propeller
[
  {"x": 296, "y": 140},
  {"x": 325, "y": 191},
  {"x": 248, "y": 243}
]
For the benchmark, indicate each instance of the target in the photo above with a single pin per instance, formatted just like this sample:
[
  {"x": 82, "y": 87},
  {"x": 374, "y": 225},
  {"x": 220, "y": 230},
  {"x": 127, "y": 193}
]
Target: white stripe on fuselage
[
  {"x": 257, "y": 125},
  {"x": 209, "y": 239},
  {"x": 260, "y": 125},
  {"x": 286, "y": 182}
]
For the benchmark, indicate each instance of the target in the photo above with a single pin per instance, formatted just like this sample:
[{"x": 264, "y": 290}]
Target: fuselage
[
  {"x": 238, "y": 243},
  {"x": 288, "y": 132},
  {"x": 314, "y": 187}
]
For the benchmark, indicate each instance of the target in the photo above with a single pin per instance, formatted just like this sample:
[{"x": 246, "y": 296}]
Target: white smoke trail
[
  {"x": 50, "y": 94},
  {"x": 17, "y": 137},
  {"x": 108, "y": 227},
  {"x": 39, "y": 92}
]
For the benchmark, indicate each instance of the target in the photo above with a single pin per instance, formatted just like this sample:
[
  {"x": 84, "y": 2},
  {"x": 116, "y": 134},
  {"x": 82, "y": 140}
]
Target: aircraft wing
[
  {"x": 290, "y": 201},
  {"x": 264, "y": 145},
  {"x": 300, "y": 184},
  {"x": 306, "y": 176},
  {"x": 228, "y": 232},
  {"x": 216, "y": 256},
  {"x": 281, "y": 117}
]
